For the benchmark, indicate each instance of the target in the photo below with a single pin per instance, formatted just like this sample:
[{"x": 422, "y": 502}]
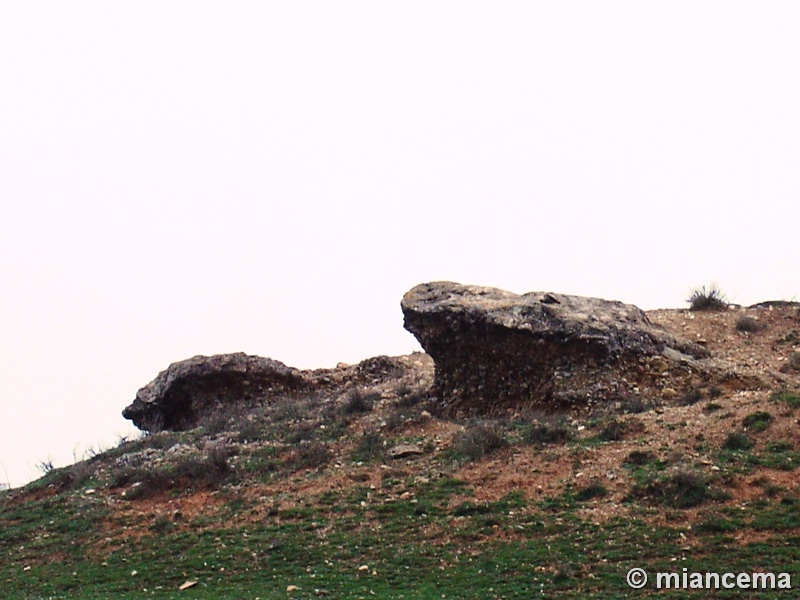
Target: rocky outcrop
[
  {"x": 187, "y": 391},
  {"x": 495, "y": 350},
  {"x": 179, "y": 396}
]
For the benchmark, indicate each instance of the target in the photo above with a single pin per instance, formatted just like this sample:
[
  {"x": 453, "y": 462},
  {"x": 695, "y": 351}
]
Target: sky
[{"x": 192, "y": 177}]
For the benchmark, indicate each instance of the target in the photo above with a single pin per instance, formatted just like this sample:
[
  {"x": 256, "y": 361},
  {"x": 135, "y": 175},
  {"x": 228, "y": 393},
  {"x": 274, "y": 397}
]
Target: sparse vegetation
[
  {"x": 546, "y": 429},
  {"x": 370, "y": 447},
  {"x": 478, "y": 440},
  {"x": 757, "y": 421},
  {"x": 311, "y": 455},
  {"x": 747, "y": 324},
  {"x": 45, "y": 466},
  {"x": 707, "y": 299},
  {"x": 634, "y": 404},
  {"x": 594, "y": 489},
  {"x": 639, "y": 458},
  {"x": 683, "y": 489},
  {"x": 792, "y": 338},
  {"x": 787, "y": 397},
  {"x": 358, "y": 402},
  {"x": 301, "y": 492},
  {"x": 793, "y": 364},
  {"x": 692, "y": 396},
  {"x": 737, "y": 441},
  {"x": 612, "y": 431}
]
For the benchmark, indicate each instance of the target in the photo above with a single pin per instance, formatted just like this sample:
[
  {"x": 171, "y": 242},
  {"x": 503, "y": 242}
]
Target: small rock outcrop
[
  {"x": 186, "y": 392},
  {"x": 179, "y": 396},
  {"x": 495, "y": 350}
]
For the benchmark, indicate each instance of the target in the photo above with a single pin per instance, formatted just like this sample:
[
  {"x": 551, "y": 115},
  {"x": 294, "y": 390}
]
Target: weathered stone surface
[
  {"x": 179, "y": 397},
  {"x": 494, "y": 349},
  {"x": 404, "y": 451},
  {"x": 181, "y": 394}
]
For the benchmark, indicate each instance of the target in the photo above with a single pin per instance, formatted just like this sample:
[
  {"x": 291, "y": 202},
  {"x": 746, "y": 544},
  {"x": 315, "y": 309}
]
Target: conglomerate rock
[
  {"x": 494, "y": 349},
  {"x": 181, "y": 394}
]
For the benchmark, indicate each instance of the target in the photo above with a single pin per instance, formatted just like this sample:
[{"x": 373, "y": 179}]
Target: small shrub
[
  {"x": 712, "y": 407},
  {"x": 793, "y": 337},
  {"x": 359, "y": 402},
  {"x": 793, "y": 364},
  {"x": 479, "y": 440},
  {"x": 145, "y": 481},
  {"x": 788, "y": 397},
  {"x": 370, "y": 447},
  {"x": 468, "y": 509},
  {"x": 305, "y": 432},
  {"x": 45, "y": 466},
  {"x": 717, "y": 524},
  {"x": 684, "y": 489},
  {"x": 249, "y": 430},
  {"x": 395, "y": 420},
  {"x": 163, "y": 440},
  {"x": 546, "y": 430},
  {"x": 218, "y": 456},
  {"x": 778, "y": 447},
  {"x": 209, "y": 471},
  {"x": 408, "y": 398},
  {"x": 80, "y": 473},
  {"x": 772, "y": 490},
  {"x": 162, "y": 525},
  {"x": 757, "y": 421},
  {"x": 691, "y": 397},
  {"x": 747, "y": 324},
  {"x": 219, "y": 419},
  {"x": 595, "y": 489},
  {"x": 639, "y": 458},
  {"x": 633, "y": 404},
  {"x": 264, "y": 460},
  {"x": 289, "y": 409},
  {"x": 703, "y": 299},
  {"x": 312, "y": 456},
  {"x": 613, "y": 431},
  {"x": 737, "y": 441}
]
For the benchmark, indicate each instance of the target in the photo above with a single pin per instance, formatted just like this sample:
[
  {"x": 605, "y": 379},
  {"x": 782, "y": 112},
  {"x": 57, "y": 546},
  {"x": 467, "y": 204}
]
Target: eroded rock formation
[
  {"x": 495, "y": 350},
  {"x": 181, "y": 394},
  {"x": 187, "y": 391}
]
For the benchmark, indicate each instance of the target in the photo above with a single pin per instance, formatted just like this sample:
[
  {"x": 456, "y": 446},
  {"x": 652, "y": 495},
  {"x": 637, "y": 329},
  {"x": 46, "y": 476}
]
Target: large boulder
[
  {"x": 179, "y": 396},
  {"x": 494, "y": 350}
]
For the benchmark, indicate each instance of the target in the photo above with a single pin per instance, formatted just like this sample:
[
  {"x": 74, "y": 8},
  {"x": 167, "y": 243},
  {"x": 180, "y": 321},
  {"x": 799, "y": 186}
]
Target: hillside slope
[{"x": 365, "y": 488}]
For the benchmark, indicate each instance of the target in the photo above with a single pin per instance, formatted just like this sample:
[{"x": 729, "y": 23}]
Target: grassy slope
[
  {"x": 288, "y": 503},
  {"x": 57, "y": 547}
]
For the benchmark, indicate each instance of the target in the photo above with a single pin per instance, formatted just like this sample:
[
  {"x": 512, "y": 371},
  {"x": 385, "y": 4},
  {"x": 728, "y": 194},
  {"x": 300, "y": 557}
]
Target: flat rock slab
[
  {"x": 494, "y": 349},
  {"x": 404, "y": 451}
]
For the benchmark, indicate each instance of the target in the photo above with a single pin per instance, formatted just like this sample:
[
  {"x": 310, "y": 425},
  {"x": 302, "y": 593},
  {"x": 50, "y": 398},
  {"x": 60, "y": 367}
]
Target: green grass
[
  {"x": 757, "y": 421},
  {"x": 787, "y": 397},
  {"x": 738, "y": 454},
  {"x": 430, "y": 536},
  {"x": 58, "y": 547}
]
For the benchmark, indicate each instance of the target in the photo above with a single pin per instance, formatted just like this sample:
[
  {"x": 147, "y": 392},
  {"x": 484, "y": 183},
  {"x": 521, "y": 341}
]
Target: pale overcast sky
[{"x": 182, "y": 178}]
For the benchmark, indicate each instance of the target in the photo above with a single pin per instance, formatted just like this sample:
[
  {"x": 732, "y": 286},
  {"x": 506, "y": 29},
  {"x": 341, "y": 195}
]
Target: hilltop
[{"x": 677, "y": 447}]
